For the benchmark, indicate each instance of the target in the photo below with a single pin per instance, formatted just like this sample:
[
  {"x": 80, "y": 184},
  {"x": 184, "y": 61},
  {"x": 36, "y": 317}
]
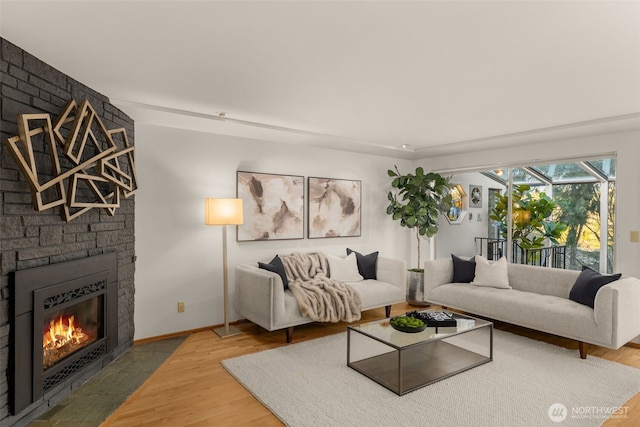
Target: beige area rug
[{"x": 527, "y": 384}]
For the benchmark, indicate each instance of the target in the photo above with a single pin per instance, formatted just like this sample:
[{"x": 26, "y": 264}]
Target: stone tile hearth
[{"x": 94, "y": 401}]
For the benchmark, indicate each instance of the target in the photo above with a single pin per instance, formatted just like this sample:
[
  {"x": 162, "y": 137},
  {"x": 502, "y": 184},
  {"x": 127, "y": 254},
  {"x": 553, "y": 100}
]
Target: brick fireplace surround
[{"x": 31, "y": 239}]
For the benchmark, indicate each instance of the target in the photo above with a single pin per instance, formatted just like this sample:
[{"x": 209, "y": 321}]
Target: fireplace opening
[
  {"x": 71, "y": 329},
  {"x": 64, "y": 324}
]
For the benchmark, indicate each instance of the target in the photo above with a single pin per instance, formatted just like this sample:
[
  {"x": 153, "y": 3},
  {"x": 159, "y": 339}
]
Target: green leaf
[{"x": 420, "y": 199}]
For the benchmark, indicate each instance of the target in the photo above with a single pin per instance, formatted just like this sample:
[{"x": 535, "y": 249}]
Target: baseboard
[{"x": 180, "y": 333}]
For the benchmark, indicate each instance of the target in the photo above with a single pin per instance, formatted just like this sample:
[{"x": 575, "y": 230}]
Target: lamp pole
[
  {"x": 224, "y": 212},
  {"x": 225, "y": 278}
]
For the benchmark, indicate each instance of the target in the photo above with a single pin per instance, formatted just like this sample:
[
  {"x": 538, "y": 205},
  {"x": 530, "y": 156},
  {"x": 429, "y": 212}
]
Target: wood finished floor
[{"x": 192, "y": 388}]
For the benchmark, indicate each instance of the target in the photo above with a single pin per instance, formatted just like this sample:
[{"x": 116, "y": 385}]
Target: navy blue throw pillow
[
  {"x": 463, "y": 271},
  {"x": 588, "y": 284},
  {"x": 366, "y": 264},
  {"x": 276, "y": 266}
]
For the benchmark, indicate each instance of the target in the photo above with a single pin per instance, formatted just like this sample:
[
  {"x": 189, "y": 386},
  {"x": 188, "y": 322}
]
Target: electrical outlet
[
  {"x": 634, "y": 236},
  {"x": 180, "y": 306}
]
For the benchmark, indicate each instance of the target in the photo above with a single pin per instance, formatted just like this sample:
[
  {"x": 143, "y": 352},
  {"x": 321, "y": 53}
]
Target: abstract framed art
[
  {"x": 334, "y": 207},
  {"x": 273, "y": 206}
]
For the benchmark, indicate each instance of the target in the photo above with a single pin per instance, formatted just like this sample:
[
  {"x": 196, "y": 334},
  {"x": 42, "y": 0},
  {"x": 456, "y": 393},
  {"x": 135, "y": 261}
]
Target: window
[{"x": 584, "y": 192}]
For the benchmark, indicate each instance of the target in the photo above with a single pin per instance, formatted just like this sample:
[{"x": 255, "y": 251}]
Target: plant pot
[{"x": 415, "y": 289}]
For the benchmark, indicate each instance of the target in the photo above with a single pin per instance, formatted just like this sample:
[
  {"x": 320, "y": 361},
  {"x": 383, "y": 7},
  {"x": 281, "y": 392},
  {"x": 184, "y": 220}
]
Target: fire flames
[{"x": 62, "y": 338}]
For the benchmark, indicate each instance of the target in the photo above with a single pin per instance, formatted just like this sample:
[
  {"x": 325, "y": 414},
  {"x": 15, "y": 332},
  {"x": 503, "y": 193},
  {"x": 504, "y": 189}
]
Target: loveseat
[
  {"x": 262, "y": 299},
  {"x": 538, "y": 298}
]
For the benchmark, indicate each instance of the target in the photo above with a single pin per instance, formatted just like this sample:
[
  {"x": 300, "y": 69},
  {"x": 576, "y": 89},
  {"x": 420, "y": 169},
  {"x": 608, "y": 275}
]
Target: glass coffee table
[{"x": 403, "y": 361}]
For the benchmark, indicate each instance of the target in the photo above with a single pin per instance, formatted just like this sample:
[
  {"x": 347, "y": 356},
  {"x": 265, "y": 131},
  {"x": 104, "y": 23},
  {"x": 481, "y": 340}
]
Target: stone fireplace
[
  {"x": 65, "y": 320},
  {"x": 30, "y": 240}
]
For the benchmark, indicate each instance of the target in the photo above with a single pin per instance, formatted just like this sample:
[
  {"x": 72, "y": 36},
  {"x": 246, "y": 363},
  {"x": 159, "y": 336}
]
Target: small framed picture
[{"x": 475, "y": 196}]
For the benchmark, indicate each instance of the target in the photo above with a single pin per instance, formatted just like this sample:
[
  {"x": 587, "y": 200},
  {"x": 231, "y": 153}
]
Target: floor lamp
[{"x": 224, "y": 212}]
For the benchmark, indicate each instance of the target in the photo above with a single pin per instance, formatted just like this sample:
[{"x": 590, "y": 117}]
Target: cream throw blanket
[{"x": 318, "y": 296}]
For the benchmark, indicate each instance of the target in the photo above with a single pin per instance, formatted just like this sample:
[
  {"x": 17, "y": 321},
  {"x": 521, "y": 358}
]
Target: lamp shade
[{"x": 223, "y": 211}]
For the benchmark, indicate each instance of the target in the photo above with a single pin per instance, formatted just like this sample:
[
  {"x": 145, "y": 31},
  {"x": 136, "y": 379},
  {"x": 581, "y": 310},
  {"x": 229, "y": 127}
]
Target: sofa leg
[
  {"x": 582, "y": 346},
  {"x": 289, "y": 332},
  {"x": 387, "y": 311}
]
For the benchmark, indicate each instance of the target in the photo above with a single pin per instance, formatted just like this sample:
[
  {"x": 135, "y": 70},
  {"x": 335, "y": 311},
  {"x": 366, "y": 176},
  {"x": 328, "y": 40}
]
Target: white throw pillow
[
  {"x": 491, "y": 274},
  {"x": 344, "y": 269}
]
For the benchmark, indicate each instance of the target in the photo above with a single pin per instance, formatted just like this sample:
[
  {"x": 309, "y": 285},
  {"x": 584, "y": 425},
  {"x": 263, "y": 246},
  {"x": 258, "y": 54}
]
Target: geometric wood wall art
[{"x": 74, "y": 161}]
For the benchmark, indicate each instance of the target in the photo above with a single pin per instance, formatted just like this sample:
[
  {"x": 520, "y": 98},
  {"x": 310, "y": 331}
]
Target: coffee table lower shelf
[
  {"x": 404, "y": 362},
  {"x": 418, "y": 366}
]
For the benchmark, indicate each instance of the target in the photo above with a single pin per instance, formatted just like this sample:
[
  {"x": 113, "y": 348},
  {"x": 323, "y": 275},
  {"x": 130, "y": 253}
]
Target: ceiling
[{"x": 441, "y": 77}]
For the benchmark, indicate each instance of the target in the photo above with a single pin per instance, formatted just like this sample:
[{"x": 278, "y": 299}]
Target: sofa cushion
[
  {"x": 366, "y": 264},
  {"x": 463, "y": 271},
  {"x": 546, "y": 313},
  {"x": 374, "y": 293},
  {"x": 588, "y": 284},
  {"x": 276, "y": 266},
  {"x": 344, "y": 269},
  {"x": 542, "y": 280},
  {"x": 493, "y": 274}
]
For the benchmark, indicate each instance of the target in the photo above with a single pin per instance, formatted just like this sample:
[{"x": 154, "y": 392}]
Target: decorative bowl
[{"x": 407, "y": 328}]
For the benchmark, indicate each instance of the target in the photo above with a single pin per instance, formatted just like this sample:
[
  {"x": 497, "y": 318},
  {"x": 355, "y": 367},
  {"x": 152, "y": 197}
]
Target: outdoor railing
[
  {"x": 553, "y": 256},
  {"x": 493, "y": 248}
]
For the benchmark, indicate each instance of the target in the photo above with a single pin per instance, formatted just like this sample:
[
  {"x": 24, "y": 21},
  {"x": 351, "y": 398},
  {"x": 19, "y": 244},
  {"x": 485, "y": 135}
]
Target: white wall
[
  {"x": 179, "y": 258},
  {"x": 458, "y": 239},
  {"x": 626, "y": 147}
]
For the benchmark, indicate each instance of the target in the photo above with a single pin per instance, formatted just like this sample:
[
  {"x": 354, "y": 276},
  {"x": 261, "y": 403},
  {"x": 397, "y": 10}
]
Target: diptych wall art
[
  {"x": 334, "y": 207},
  {"x": 273, "y": 206}
]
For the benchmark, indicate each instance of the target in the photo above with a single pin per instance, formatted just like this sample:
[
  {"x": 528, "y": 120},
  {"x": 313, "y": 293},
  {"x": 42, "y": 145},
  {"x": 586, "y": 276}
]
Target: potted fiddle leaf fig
[{"x": 420, "y": 199}]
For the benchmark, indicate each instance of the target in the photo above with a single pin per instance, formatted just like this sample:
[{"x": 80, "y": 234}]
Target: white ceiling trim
[
  {"x": 226, "y": 125},
  {"x": 229, "y": 126}
]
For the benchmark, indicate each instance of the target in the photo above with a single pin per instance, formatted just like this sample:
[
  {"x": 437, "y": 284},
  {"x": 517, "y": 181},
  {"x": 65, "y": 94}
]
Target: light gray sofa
[
  {"x": 261, "y": 297},
  {"x": 540, "y": 300}
]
